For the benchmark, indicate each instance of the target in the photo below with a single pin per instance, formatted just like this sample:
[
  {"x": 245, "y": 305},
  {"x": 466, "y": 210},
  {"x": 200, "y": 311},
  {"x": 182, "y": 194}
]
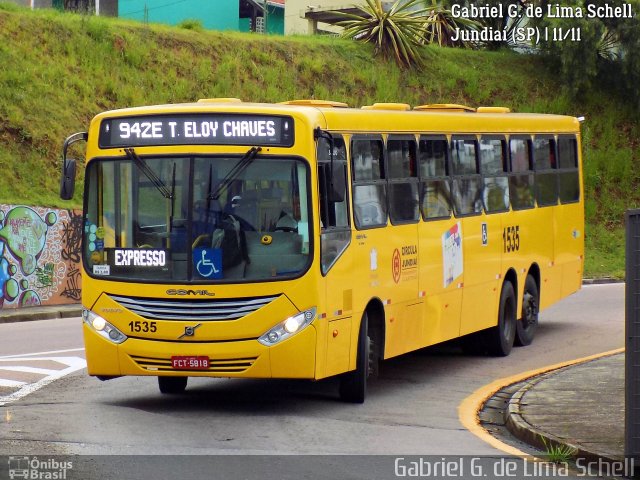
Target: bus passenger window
[
  {"x": 568, "y": 174},
  {"x": 467, "y": 183},
  {"x": 435, "y": 190},
  {"x": 546, "y": 174},
  {"x": 521, "y": 179},
  {"x": 403, "y": 180},
  {"x": 369, "y": 184},
  {"x": 495, "y": 181}
]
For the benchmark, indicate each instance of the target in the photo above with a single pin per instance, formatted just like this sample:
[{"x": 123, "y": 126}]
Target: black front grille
[{"x": 203, "y": 310}]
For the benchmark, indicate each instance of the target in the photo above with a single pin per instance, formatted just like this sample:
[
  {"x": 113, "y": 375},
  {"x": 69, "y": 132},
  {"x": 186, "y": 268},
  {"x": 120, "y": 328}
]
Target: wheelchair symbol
[{"x": 205, "y": 266}]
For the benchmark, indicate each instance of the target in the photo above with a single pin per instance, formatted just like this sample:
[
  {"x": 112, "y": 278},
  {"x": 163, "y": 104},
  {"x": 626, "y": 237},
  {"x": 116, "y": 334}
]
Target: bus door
[
  {"x": 405, "y": 305},
  {"x": 546, "y": 178},
  {"x": 336, "y": 257},
  {"x": 440, "y": 244},
  {"x": 386, "y": 247},
  {"x": 480, "y": 184},
  {"x": 569, "y": 216}
]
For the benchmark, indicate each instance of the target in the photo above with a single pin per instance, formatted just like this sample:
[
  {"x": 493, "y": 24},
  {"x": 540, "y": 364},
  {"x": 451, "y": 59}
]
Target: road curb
[
  {"x": 470, "y": 408},
  {"x": 523, "y": 430},
  {"x": 39, "y": 313}
]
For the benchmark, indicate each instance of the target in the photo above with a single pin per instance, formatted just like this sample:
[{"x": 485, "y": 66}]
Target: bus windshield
[{"x": 190, "y": 219}]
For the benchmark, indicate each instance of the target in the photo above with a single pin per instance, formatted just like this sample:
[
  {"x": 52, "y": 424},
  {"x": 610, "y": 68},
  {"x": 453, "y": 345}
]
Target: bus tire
[
  {"x": 353, "y": 385},
  {"x": 172, "y": 384},
  {"x": 500, "y": 339},
  {"x": 528, "y": 324}
]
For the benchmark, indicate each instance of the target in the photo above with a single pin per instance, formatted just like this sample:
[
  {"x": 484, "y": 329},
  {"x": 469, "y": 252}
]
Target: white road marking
[
  {"x": 71, "y": 364},
  {"x": 42, "y": 353},
  {"x": 10, "y": 383},
  {"x": 16, "y": 368}
]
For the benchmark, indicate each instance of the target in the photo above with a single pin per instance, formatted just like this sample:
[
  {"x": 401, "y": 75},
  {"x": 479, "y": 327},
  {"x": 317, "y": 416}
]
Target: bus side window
[
  {"x": 493, "y": 163},
  {"x": 467, "y": 183},
  {"x": 403, "y": 180},
  {"x": 369, "y": 184},
  {"x": 521, "y": 178},
  {"x": 334, "y": 216},
  {"x": 544, "y": 154},
  {"x": 568, "y": 177},
  {"x": 434, "y": 175}
]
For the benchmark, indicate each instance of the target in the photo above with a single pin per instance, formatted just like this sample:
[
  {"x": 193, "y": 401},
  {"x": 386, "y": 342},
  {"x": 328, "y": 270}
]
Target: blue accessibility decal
[{"x": 208, "y": 262}]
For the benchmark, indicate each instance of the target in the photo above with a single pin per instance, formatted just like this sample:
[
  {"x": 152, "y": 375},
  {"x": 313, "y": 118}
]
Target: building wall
[
  {"x": 214, "y": 15},
  {"x": 39, "y": 256},
  {"x": 109, "y": 8},
  {"x": 275, "y": 20},
  {"x": 294, "y": 21}
]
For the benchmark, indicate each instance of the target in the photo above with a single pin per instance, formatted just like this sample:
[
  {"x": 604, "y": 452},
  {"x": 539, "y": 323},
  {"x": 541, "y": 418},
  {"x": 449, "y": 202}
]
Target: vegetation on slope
[{"x": 57, "y": 70}]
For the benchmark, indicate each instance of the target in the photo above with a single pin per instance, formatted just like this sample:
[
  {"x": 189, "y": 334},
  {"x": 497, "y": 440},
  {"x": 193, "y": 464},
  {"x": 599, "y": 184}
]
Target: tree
[
  {"x": 603, "y": 50},
  {"x": 398, "y": 31}
]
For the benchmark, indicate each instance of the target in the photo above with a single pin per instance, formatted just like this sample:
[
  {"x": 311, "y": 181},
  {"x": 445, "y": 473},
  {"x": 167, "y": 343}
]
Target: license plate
[{"x": 190, "y": 363}]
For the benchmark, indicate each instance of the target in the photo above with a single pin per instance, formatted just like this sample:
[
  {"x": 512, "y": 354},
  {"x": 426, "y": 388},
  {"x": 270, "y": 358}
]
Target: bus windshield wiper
[
  {"x": 149, "y": 173},
  {"x": 234, "y": 172}
]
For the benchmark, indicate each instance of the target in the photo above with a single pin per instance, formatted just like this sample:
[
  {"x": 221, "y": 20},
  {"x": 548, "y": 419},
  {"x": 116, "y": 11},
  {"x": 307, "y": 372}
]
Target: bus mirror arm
[
  {"x": 68, "y": 177},
  {"x": 337, "y": 181}
]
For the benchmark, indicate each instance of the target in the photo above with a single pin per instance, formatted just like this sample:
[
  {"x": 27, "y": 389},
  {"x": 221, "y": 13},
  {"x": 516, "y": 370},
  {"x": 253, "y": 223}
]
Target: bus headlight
[
  {"x": 289, "y": 327},
  {"x": 102, "y": 327}
]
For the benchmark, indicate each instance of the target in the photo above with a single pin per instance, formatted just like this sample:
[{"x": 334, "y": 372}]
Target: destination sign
[{"x": 197, "y": 129}]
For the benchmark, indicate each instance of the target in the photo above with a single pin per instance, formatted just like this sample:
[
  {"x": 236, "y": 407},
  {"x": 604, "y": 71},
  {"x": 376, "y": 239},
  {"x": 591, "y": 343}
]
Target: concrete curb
[
  {"x": 523, "y": 430},
  {"x": 601, "y": 281},
  {"x": 40, "y": 313}
]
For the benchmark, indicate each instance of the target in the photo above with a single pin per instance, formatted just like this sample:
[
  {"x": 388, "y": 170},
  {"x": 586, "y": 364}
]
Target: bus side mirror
[{"x": 68, "y": 178}]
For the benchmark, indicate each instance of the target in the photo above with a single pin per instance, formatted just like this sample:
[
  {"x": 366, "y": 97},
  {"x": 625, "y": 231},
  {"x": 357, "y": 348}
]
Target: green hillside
[{"x": 58, "y": 70}]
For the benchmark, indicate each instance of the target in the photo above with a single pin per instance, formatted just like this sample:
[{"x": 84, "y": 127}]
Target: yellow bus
[{"x": 307, "y": 239}]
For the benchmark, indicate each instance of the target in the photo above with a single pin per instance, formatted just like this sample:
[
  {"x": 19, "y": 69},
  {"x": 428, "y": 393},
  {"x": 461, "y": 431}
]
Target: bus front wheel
[
  {"x": 527, "y": 325},
  {"x": 172, "y": 384},
  {"x": 353, "y": 385},
  {"x": 500, "y": 338}
]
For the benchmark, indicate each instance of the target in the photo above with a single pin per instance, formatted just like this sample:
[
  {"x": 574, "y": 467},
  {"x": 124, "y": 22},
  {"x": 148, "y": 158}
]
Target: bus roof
[{"x": 336, "y": 116}]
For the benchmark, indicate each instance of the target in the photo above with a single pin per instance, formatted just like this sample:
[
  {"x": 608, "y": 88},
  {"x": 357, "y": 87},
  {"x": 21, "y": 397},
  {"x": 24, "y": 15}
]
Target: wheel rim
[{"x": 530, "y": 310}]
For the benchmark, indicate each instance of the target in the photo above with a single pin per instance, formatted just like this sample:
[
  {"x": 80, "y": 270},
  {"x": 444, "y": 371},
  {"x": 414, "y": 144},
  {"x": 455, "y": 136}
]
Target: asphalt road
[{"x": 410, "y": 410}]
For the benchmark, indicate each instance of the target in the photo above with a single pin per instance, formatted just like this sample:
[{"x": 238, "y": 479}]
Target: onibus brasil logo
[{"x": 36, "y": 469}]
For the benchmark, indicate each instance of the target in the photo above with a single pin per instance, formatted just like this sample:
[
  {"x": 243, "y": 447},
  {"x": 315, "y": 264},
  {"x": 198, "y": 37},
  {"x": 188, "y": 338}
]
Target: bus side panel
[
  {"x": 387, "y": 260},
  {"x": 335, "y": 338},
  {"x": 481, "y": 272},
  {"x": 443, "y": 296},
  {"x": 570, "y": 245},
  {"x": 527, "y": 250},
  {"x": 543, "y": 225}
]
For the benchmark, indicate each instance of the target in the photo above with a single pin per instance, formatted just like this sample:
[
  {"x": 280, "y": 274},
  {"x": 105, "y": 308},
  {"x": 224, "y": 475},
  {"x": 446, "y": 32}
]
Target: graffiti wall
[{"x": 39, "y": 256}]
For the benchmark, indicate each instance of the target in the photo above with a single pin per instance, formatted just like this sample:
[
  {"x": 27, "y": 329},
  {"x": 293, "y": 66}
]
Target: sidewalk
[
  {"x": 581, "y": 406},
  {"x": 10, "y": 315}
]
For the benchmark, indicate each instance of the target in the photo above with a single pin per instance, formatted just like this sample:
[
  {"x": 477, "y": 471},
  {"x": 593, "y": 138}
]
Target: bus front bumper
[{"x": 292, "y": 358}]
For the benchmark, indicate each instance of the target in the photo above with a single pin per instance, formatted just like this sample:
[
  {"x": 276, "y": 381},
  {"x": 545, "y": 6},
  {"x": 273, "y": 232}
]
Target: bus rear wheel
[
  {"x": 500, "y": 339},
  {"x": 353, "y": 385},
  {"x": 172, "y": 384},
  {"x": 528, "y": 324}
]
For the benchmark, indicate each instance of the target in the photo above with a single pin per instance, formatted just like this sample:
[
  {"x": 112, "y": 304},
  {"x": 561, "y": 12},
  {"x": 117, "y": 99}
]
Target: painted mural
[{"x": 39, "y": 256}]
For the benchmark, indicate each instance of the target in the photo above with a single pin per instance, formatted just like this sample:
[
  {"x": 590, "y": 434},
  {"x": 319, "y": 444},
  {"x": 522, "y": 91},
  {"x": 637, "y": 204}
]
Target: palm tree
[{"x": 397, "y": 31}]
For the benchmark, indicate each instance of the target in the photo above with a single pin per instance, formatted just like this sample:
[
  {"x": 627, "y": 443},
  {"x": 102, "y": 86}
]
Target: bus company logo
[
  {"x": 36, "y": 469},
  {"x": 179, "y": 292},
  {"x": 396, "y": 266}
]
